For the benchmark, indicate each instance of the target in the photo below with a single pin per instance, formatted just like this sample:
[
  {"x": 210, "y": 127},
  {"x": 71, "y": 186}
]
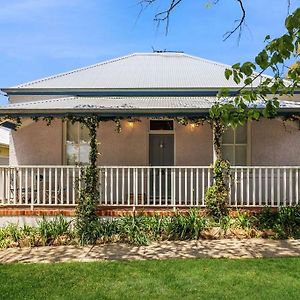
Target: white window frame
[{"x": 247, "y": 145}]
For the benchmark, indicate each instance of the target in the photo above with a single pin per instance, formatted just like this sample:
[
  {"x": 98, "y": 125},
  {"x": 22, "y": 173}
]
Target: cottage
[{"x": 154, "y": 161}]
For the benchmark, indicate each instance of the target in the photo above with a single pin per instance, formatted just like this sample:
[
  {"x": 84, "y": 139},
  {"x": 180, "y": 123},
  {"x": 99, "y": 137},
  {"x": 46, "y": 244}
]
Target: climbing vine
[
  {"x": 86, "y": 211},
  {"x": 217, "y": 195}
]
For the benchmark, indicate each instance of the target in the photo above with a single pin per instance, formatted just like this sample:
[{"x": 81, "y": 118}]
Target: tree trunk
[{"x": 218, "y": 129}]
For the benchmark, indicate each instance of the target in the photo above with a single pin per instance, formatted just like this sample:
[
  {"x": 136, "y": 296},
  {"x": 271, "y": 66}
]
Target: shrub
[
  {"x": 135, "y": 230},
  {"x": 186, "y": 227},
  {"x": 288, "y": 222},
  {"x": 285, "y": 222},
  {"x": 12, "y": 235},
  {"x": 225, "y": 223},
  {"x": 244, "y": 220},
  {"x": 267, "y": 218},
  {"x": 50, "y": 230}
]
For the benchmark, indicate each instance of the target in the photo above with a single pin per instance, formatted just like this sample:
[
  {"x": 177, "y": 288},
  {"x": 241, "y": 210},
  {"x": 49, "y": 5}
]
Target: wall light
[
  {"x": 130, "y": 124},
  {"x": 193, "y": 125}
]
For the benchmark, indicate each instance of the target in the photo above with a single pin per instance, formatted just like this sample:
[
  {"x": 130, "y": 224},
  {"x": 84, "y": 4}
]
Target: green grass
[{"x": 169, "y": 279}]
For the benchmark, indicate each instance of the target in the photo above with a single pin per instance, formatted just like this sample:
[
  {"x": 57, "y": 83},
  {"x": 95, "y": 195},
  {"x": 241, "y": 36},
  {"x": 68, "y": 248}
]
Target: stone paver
[{"x": 229, "y": 248}]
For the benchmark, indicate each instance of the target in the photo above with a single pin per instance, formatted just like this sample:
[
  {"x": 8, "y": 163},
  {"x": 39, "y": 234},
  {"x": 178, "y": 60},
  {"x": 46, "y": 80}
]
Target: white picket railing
[{"x": 148, "y": 186}]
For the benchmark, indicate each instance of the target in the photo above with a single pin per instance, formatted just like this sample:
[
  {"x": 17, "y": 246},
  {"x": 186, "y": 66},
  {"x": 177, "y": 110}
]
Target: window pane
[
  {"x": 77, "y": 144},
  {"x": 72, "y": 132},
  {"x": 227, "y": 137},
  {"x": 161, "y": 125},
  {"x": 241, "y": 155},
  {"x": 227, "y": 152},
  {"x": 84, "y": 134},
  {"x": 241, "y": 134},
  {"x": 84, "y": 153},
  {"x": 72, "y": 153}
]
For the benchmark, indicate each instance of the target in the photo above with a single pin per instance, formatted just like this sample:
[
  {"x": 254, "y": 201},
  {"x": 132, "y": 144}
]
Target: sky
[{"x": 44, "y": 37}]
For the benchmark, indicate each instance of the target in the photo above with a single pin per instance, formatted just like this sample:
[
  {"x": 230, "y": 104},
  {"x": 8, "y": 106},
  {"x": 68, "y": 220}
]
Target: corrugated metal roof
[
  {"x": 142, "y": 70},
  {"x": 124, "y": 103},
  {"x": 128, "y": 104}
]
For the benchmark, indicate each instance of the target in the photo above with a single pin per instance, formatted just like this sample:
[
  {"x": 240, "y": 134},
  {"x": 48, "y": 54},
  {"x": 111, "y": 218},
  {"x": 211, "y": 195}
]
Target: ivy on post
[
  {"x": 86, "y": 211},
  {"x": 217, "y": 195}
]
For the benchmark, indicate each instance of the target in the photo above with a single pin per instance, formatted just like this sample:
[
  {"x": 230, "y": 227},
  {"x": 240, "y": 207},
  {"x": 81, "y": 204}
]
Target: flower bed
[{"x": 142, "y": 230}]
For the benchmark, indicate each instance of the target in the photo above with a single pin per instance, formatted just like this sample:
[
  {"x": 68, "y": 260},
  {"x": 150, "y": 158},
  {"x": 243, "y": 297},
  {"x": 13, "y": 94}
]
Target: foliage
[
  {"x": 50, "y": 230},
  {"x": 257, "y": 89},
  {"x": 86, "y": 213},
  {"x": 186, "y": 227},
  {"x": 142, "y": 230},
  {"x": 285, "y": 222},
  {"x": 47, "y": 232},
  {"x": 135, "y": 230},
  {"x": 267, "y": 218},
  {"x": 216, "y": 196},
  {"x": 288, "y": 222},
  {"x": 244, "y": 220}
]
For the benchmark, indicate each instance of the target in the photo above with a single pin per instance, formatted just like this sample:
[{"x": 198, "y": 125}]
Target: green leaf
[
  {"x": 228, "y": 73},
  {"x": 236, "y": 66}
]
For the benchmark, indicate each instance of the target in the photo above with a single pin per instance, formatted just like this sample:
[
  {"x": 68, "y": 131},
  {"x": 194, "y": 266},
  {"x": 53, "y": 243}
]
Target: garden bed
[{"x": 142, "y": 230}]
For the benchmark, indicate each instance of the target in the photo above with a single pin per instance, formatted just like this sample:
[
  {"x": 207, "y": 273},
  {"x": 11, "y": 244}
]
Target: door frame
[{"x": 173, "y": 132}]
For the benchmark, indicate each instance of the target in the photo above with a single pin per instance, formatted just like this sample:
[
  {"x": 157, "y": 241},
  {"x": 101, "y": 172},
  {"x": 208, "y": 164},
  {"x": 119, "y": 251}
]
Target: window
[
  {"x": 161, "y": 125},
  {"x": 77, "y": 144},
  {"x": 234, "y": 145}
]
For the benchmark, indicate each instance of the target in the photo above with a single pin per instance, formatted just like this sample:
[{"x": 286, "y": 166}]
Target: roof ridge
[
  {"x": 75, "y": 70},
  {"x": 207, "y": 60},
  {"x": 183, "y": 54},
  {"x": 221, "y": 64}
]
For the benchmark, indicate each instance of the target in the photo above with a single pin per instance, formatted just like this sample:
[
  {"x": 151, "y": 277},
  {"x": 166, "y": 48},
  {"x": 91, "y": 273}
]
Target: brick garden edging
[{"x": 106, "y": 212}]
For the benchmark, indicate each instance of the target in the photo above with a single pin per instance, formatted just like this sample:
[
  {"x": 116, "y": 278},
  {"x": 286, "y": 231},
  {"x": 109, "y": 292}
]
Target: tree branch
[
  {"x": 240, "y": 24},
  {"x": 163, "y": 16}
]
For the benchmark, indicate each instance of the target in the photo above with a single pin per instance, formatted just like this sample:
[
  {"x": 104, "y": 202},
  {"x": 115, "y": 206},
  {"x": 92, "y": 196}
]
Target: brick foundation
[{"x": 106, "y": 211}]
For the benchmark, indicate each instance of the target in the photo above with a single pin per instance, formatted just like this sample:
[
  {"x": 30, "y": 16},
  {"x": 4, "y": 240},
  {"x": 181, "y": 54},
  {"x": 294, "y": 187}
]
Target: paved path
[{"x": 250, "y": 248}]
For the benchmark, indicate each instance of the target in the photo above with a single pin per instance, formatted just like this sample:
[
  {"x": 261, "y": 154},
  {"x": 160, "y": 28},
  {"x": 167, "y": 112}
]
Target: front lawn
[{"x": 169, "y": 279}]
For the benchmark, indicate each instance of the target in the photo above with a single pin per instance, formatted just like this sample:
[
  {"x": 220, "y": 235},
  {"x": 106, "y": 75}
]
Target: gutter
[
  {"x": 121, "y": 112},
  {"x": 122, "y": 91}
]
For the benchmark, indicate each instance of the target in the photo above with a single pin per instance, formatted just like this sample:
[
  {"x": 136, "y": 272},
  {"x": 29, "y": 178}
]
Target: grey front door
[{"x": 161, "y": 153}]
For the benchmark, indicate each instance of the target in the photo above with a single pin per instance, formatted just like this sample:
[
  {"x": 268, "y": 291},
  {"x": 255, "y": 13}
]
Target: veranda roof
[{"x": 123, "y": 106}]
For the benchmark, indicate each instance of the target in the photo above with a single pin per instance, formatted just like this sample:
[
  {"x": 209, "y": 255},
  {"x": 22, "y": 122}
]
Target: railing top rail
[
  {"x": 265, "y": 167},
  {"x": 144, "y": 167}
]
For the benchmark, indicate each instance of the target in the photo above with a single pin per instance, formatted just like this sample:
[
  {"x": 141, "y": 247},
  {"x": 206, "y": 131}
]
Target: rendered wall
[
  {"x": 194, "y": 145},
  {"x": 274, "y": 144},
  {"x": 127, "y": 148},
  {"x": 36, "y": 144}
]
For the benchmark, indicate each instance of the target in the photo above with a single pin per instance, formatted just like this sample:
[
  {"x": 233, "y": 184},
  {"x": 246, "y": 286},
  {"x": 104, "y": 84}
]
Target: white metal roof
[
  {"x": 123, "y": 104},
  {"x": 142, "y": 70},
  {"x": 111, "y": 104}
]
